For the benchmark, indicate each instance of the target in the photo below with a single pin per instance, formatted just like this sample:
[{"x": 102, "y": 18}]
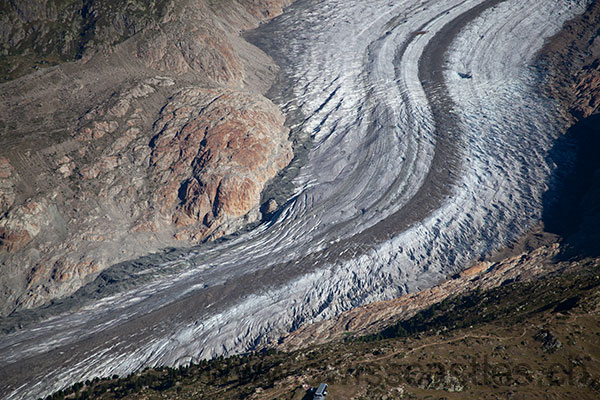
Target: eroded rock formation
[
  {"x": 164, "y": 139},
  {"x": 213, "y": 152}
]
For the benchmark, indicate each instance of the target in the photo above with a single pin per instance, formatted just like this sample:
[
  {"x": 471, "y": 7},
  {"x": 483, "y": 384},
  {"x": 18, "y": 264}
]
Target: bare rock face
[
  {"x": 213, "y": 153},
  {"x": 21, "y": 225},
  {"x": 7, "y": 189},
  {"x": 587, "y": 88},
  {"x": 270, "y": 207},
  {"x": 202, "y": 51},
  {"x": 163, "y": 139},
  {"x": 573, "y": 56}
]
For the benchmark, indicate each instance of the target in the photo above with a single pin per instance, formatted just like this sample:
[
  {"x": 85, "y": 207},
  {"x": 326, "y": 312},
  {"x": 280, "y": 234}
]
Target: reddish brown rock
[
  {"x": 6, "y": 169},
  {"x": 12, "y": 241},
  {"x": 214, "y": 163},
  {"x": 21, "y": 224},
  {"x": 587, "y": 90},
  {"x": 573, "y": 56}
]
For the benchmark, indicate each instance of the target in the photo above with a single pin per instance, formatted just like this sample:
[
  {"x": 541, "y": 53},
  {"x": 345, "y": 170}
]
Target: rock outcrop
[
  {"x": 573, "y": 57},
  {"x": 160, "y": 135},
  {"x": 587, "y": 87},
  {"x": 213, "y": 152}
]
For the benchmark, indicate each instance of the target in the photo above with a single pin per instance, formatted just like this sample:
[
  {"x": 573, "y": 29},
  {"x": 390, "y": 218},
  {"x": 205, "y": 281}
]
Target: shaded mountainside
[
  {"x": 157, "y": 136},
  {"x": 571, "y": 60}
]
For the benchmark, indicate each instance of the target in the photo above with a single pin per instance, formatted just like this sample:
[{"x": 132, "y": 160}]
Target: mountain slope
[{"x": 152, "y": 132}]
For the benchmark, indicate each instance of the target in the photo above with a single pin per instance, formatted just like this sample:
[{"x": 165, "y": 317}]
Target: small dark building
[{"x": 321, "y": 392}]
